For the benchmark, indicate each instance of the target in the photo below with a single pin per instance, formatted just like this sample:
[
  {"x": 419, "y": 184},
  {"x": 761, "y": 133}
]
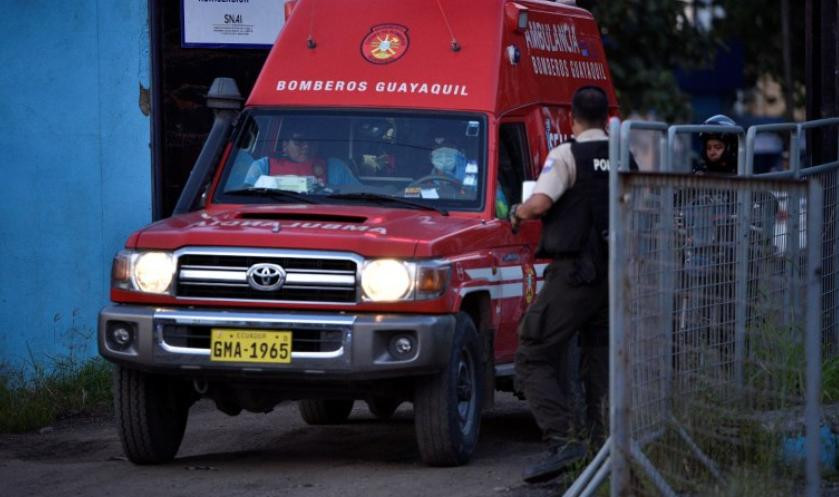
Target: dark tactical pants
[{"x": 547, "y": 332}]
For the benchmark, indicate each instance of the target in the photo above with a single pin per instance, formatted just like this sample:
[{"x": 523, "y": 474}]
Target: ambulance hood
[{"x": 368, "y": 231}]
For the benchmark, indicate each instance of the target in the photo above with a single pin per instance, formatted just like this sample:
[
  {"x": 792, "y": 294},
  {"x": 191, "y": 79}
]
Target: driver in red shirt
[{"x": 299, "y": 157}]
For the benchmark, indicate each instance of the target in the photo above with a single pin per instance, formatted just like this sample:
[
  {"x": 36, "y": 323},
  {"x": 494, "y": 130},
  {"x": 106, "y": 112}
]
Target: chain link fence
[
  {"x": 722, "y": 288},
  {"x": 714, "y": 337},
  {"x": 827, "y": 175}
]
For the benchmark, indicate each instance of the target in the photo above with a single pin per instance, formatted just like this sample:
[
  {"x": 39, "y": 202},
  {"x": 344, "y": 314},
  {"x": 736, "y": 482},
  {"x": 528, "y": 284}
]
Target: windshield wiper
[
  {"x": 273, "y": 194},
  {"x": 377, "y": 197}
]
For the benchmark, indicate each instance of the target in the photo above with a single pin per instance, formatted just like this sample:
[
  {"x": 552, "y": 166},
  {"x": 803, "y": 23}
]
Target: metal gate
[{"x": 715, "y": 308}]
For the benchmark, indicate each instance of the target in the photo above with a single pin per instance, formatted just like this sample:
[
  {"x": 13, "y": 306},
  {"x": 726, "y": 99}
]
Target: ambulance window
[
  {"x": 357, "y": 157},
  {"x": 513, "y": 160}
]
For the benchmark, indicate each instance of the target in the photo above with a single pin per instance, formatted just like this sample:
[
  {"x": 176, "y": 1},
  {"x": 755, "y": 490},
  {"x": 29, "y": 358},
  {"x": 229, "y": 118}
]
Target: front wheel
[
  {"x": 447, "y": 406},
  {"x": 151, "y": 414}
]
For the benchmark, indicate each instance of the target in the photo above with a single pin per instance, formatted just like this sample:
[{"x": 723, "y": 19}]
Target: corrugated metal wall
[{"x": 75, "y": 165}]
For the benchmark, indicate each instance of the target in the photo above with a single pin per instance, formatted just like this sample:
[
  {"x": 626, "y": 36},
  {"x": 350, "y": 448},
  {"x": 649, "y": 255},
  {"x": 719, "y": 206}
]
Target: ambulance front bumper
[{"x": 327, "y": 345}]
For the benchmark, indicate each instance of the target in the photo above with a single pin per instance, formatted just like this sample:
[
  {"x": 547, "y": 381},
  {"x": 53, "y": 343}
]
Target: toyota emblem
[{"x": 266, "y": 277}]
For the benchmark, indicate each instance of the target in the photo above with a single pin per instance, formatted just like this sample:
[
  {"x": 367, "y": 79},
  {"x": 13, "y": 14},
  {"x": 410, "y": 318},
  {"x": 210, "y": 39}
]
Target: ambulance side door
[{"x": 515, "y": 260}]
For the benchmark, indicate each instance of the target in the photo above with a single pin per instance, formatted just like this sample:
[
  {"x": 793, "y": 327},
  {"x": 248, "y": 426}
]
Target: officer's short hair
[{"x": 590, "y": 105}]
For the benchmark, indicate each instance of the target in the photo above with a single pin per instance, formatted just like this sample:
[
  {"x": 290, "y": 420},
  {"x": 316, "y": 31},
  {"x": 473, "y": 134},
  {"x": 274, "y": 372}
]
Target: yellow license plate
[{"x": 260, "y": 346}]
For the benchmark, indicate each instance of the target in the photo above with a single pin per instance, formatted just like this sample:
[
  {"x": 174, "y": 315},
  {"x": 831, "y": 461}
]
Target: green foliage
[
  {"x": 742, "y": 428},
  {"x": 775, "y": 367},
  {"x": 66, "y": 388},
  {"x": 754, "y": 481},
  {"x": 645, "y": 40},
  {"x": 830, "y": 381}
]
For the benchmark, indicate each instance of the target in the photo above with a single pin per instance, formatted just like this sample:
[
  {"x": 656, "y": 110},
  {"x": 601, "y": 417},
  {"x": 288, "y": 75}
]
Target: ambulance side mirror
[
  {"x": 225, "y": 101},
  {"x": 224, "y": 95}
]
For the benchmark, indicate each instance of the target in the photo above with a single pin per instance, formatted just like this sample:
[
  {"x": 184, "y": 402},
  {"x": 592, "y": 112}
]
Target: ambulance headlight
[
  {"x": 393, "y": 280},
  {"x": 386, "y": 280},
  {"x": 149, "y": 272}
]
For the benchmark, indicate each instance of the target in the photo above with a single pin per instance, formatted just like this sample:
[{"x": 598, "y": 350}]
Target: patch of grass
[
  {"x": 740, "y": 428},
  {"x": 830, "y": 380},
  {"x": 751, "y": 480},
  {"x": 67, "y": 388}
]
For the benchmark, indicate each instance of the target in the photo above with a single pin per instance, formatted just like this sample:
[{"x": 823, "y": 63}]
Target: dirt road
[{"x": 274, "y": 454}]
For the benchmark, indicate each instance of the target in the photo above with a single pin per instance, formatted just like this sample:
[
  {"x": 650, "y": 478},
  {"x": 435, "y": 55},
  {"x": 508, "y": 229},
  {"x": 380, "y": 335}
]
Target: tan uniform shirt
[{"x": 560, "y": 172}]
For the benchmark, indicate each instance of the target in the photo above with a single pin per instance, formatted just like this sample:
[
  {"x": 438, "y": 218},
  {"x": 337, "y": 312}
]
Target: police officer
[
  {"x": 572, "y": 198},
  {"x": 719, "y": 150}
]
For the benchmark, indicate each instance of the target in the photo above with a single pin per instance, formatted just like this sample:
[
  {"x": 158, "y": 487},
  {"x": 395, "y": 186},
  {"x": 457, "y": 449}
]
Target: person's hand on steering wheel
[
  {"x": 452, "y": 187},
  {"x": 435, "y": 178}
]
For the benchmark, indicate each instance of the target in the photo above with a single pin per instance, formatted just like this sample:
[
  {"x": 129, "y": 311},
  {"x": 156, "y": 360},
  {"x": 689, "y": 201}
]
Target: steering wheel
[{"x": 454, "y": 182}]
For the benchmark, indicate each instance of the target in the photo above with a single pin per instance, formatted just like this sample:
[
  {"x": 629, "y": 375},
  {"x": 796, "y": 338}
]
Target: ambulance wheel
[
  {"x": 383, "y": 407},
  {"x": 151, "y": 414},
  {"x": 325, "y": 411},
  {"x": 447, "y": 406}
]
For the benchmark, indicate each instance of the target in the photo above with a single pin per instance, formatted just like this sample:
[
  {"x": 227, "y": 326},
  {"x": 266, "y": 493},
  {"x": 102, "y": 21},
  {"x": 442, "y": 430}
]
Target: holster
[{"x": 592, "y": 263}]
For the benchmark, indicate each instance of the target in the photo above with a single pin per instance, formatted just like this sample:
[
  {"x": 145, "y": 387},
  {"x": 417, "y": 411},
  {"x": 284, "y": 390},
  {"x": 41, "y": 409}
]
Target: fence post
[
  {"x": 815, "y": 199},
  {"x": 751, "y": 134},
  {"x": 829, "y": 239},
  {"x": 743, "y": 168},
  {"x": 741, "y": 279},
  {"x": 795, "y": 153},
  {"x": 618, "y": 356}
]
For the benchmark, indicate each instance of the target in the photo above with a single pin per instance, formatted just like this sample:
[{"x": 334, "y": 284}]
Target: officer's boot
[{"x": 562, "y": 455}]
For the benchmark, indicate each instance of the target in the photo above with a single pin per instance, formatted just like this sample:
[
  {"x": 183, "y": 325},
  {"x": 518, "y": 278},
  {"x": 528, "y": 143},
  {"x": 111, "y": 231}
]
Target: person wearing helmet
[
  {"x": 709, "y": 218},
  {"x": 719, "y": 150}
]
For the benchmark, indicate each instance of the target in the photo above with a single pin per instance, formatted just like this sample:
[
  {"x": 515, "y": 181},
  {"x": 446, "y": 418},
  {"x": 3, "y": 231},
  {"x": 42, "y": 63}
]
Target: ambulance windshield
[{"x": 332, "y": 157}]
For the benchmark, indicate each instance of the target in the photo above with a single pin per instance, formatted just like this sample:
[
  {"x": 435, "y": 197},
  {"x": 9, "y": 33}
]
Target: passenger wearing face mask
[{"x": 448, "y": 161}]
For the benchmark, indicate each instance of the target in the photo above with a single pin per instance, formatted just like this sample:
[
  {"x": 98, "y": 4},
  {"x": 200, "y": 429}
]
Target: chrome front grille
[
  {"x": 303, "y": 339},
  {"x": 212, "y": 273}
]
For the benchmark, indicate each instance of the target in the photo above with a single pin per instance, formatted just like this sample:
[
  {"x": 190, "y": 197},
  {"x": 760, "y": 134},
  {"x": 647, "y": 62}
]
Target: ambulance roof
[{"x": 398, "y": 54}]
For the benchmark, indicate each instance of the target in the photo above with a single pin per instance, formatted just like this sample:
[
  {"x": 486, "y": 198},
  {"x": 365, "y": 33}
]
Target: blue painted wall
[{"x": 76, "y": 167}]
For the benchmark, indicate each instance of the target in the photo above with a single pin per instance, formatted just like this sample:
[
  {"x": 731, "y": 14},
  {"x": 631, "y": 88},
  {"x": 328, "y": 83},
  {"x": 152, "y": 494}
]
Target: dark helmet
[{"x": 728, "y": 162}]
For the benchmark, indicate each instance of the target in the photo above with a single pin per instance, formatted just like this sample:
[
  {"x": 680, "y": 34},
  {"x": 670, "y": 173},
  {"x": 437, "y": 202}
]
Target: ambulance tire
[
  {"x": 325, "y": 411},
  {"x": 383, "y": 407},
  {"x": 151, "y": 414},
  {"x": 447, "y": 406}
]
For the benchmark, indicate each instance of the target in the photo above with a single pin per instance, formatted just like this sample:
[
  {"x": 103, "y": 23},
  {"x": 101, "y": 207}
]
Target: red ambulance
[{"x": 352, "y": 241}]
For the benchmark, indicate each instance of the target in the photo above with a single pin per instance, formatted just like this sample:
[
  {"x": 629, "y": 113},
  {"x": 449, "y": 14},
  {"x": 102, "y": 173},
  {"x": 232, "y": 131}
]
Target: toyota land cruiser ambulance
[{"x": 344, "y": 237}]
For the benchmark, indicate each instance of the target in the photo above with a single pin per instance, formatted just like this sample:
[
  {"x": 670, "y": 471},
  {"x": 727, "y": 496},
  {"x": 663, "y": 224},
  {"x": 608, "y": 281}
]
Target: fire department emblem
[{"x": 385, "y": 43}]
